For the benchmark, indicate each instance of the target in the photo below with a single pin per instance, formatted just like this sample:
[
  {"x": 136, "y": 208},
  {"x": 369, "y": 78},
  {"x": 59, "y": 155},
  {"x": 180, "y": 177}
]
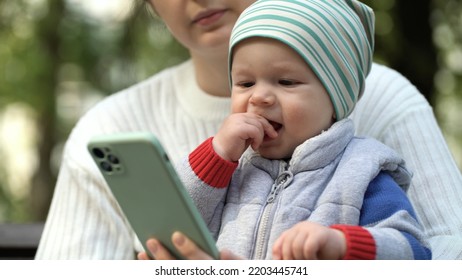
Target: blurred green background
[{"x": 59, "y": 57}]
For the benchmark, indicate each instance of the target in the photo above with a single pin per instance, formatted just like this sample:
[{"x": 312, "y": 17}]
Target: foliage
[
  {"x": 51, "y": 49},
  {"x": 447, "y": 22}
]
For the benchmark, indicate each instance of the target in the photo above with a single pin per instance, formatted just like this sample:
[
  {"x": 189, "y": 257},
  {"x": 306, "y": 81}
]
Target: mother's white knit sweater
[{"x": 84, "y": 221}]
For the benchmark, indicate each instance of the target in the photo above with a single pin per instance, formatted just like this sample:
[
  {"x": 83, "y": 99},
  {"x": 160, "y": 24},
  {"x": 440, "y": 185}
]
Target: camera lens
[
  {"x": 113, "y": 159},
  {"x": 106, "y": 166},
  {"x": 98, "y": 152}
]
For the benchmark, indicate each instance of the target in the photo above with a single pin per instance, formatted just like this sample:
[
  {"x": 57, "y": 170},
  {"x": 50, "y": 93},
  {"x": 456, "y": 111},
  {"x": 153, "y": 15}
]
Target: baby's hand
[
  {"x": 238, "y": 132},
  {"x": 310, "y": 241}
]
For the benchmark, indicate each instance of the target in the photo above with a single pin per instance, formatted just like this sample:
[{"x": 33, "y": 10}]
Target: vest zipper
[{"x": 266, "y": 218}]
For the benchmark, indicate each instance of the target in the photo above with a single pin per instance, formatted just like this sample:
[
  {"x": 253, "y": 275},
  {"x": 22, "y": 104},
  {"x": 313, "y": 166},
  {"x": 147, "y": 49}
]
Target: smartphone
[{"x": 148, "y": 190}]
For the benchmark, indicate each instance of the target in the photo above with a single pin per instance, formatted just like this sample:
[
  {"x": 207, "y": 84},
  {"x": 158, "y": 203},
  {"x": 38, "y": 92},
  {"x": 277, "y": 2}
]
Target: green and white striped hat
[{"x": 335, "y": 38}]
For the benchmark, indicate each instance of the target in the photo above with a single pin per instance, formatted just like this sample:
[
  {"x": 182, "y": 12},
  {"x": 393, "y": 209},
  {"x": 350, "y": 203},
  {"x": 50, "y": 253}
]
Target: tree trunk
[
  {"x": 418, "y": 57},
  {"x": 43, "y": 180}
]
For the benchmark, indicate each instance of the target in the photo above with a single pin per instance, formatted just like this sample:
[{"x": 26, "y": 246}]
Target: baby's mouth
[{"x": 277, "y": 126}]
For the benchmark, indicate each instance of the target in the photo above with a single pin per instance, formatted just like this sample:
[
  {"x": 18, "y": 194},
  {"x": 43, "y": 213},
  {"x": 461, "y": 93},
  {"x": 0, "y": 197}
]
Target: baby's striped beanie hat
[{"x": 335, "y": 38}]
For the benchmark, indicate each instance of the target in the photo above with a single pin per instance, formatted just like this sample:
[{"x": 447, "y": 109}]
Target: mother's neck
[{"x": 212, "y": 74}]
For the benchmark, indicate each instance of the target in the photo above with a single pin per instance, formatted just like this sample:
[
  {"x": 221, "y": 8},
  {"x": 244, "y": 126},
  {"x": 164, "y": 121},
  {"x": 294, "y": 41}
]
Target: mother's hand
[{"x": 185, "y": 246}]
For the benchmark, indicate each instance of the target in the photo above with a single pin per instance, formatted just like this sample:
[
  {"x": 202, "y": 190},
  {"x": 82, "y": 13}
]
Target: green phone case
[{"x": 148, "y": 190}]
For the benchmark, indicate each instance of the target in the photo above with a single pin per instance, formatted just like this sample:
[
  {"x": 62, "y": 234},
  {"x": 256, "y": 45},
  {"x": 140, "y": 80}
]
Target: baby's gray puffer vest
[{"x": 324, "y": 182}]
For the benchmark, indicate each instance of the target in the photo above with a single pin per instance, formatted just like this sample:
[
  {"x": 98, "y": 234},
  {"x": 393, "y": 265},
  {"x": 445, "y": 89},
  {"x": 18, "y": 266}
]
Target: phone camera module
[
  {"x": 106, "y": 166},
  {"x": 113, "y": 159},
  {"x": 98, "y": 152}
]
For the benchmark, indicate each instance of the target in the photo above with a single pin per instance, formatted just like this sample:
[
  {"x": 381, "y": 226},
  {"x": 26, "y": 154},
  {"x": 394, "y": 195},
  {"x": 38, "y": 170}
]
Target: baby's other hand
[{"x": 310, "y": 241}]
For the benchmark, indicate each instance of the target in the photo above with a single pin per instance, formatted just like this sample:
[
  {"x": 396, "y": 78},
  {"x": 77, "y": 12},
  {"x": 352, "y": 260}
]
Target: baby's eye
[
  {"x": 287, "y": 82},
  {"x": 246, "y": 84}
]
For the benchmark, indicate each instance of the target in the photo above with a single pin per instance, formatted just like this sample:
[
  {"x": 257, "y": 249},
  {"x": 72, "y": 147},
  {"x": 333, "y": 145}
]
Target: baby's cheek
[{"x": 237, "y": 106}]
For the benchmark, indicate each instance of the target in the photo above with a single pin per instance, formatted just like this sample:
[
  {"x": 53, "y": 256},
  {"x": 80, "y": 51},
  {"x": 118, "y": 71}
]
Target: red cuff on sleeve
[
  {"x": 360, "y": 243},
  {"x": 210, "y": 167}
]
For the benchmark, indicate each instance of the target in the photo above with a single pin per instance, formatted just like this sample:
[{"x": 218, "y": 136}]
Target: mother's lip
[{"x": 207, "y": 14}]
